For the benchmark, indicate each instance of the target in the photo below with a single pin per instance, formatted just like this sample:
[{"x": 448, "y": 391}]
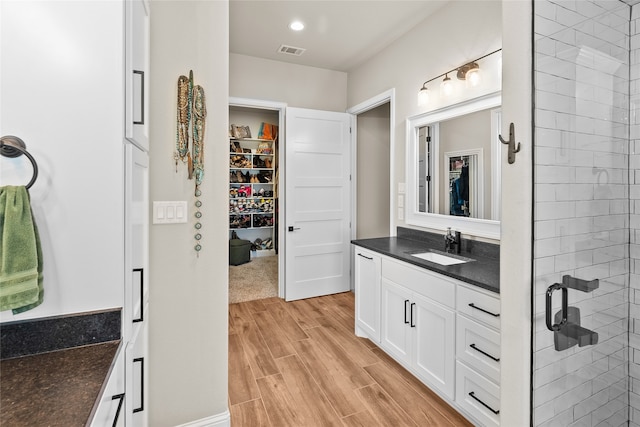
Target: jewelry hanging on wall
[
  {"x": 185, "y": 94},
  {"x": 197, "y": 167}
]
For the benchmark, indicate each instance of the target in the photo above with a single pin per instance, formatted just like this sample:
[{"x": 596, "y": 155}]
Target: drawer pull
[
  {"x": 472, "y": 394},
  {"x": 366, "y": 257},
  {"x": 121, "y": 398},
  {"x": 141, "y": 361},
  {"x": 141, "y": 271},
  {"x": 413, "y": 325},
  {"x": 406, "y": 322},
  {"x": 472, "y": 305},
  {"x": 473, "y": 346}
]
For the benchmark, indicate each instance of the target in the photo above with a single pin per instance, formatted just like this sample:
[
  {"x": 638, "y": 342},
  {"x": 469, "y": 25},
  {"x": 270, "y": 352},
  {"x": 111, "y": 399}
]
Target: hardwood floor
[{"x": 300, "y": 364}]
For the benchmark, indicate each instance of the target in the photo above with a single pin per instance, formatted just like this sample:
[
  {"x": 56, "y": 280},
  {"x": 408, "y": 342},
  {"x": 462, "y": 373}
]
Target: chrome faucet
[{"x": 452, "y": 240}]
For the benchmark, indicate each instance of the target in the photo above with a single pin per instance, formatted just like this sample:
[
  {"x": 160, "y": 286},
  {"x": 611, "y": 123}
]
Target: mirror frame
[{"x": 470, "y": 226}]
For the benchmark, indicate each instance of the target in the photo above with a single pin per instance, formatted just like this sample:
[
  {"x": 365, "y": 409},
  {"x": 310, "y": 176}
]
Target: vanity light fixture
[{"x": 469, "y": 72}]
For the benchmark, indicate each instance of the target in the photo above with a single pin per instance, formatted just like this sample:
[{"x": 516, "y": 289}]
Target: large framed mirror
[{"x": 453, "y": 168}]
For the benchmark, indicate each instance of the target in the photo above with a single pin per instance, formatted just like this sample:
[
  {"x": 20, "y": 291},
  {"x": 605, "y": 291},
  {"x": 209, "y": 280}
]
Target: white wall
[
  {"x": 188, "y": 295},
  {"x": 62, "y": 93},
  {"x": 457, "y": 33},
  {"x": 296, "y": 85}
]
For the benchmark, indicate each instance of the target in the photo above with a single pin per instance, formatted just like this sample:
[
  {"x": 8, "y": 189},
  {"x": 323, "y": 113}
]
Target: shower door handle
[{"x": 565, "y": 306}]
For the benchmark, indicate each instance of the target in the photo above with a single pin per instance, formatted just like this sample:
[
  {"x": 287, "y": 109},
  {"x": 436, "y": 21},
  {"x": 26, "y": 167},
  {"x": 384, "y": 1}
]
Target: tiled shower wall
[
  {"x": 582, "y": 206},
  {"x": 634, "y": 196}
]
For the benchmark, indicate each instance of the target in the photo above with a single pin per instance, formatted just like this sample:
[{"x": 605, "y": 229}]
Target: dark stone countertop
[
  {"x": 58, "y": 388},
  {"x": 483, "y": 272}
]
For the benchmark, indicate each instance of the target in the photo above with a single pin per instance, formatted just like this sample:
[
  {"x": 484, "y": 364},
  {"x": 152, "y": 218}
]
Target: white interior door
[{"x": 318, "y": 204}]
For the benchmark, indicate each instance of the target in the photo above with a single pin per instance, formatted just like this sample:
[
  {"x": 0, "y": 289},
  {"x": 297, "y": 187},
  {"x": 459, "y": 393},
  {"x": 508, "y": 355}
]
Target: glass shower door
[{"x": 581, "y": 218}]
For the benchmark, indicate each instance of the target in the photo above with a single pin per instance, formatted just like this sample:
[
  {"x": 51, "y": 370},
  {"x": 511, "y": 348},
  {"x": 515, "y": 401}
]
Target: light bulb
[
  {"x": 446, "y": 87},
  {"x": 474, "y": 77},
  {"x": 423, "y": 96}
]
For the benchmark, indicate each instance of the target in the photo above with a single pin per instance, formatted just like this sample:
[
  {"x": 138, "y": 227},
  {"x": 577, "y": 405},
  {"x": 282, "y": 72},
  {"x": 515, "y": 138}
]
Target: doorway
[
  {"x": 373, "y": 167},
  {"x": 254, "y": 200},
  {"x": 372, "y": 172}
]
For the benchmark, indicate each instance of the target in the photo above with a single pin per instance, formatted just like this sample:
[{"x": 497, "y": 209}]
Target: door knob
[{"x": 292, "y": 228}]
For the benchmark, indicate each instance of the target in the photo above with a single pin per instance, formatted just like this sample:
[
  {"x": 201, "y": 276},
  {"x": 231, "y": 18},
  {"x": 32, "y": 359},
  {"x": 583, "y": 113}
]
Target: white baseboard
[{"x": 219, "y": 420}]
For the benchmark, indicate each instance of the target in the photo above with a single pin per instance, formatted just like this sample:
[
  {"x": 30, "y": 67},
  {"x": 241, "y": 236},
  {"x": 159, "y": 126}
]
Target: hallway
[{"x": 300, "y": 364}]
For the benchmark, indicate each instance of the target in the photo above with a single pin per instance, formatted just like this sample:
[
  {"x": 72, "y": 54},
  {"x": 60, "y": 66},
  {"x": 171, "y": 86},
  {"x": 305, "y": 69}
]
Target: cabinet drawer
[
  {"x": 479, "y": 347},
  {"x": 478, "y": 396},
  {"x": 479, "y": 306},
  {"x": 417, "y": 279}
]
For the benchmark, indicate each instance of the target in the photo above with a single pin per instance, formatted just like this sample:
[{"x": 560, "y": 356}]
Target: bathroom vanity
[{"x": 438, "y": 316}]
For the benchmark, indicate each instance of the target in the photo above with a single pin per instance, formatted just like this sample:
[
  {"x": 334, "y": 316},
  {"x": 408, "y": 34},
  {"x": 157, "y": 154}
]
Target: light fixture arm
[{"x": 456, "y": 69}]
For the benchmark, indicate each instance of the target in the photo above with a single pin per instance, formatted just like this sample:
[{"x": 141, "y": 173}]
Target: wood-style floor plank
[
  {"x": 357, "y": 350},
  {"x": 451, "y": 414},
  {"x": 300, "y": 364},
  {"x": 240, "y": 317},
  {"x": 300, "y": 311},
  {"x": 419, "y": 409},
  {"x": 361, "y": 419},
  {"x": 257, "y": 351},
  {"x": 383, "y": 408},
  {"x": 250, "y": 413},
  {"x": 273, "y": 334},
  {"x": 288, "y": 324},
  {"x": 278, "y": 402},
  {"x": 332, "y": 368},
  {"x": 311, "y": 404},
  {"x": 243, "y": 388}
]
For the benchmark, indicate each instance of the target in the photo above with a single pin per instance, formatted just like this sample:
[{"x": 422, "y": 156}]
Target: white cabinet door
[
  {"x": 367, "y": 284},
  {"x": 137, "y": 77},
  {"x": 110, "y": 411},
  {"x": 136, "y": 237},
  {"x": 434, "y": 344},
  {"x": 138, "y": 378},
  {"x": 396, "y": 331}
]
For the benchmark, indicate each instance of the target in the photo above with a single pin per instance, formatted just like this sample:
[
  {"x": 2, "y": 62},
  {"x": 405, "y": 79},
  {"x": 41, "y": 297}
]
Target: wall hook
[{"x": 511, "y": 156}]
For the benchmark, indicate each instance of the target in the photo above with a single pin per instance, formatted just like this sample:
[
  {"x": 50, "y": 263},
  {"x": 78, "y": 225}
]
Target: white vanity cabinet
[
  {"x": 418, "y": 322},
  {"x": 444, "y": 331},
  {"x": 367, "y": 286}
]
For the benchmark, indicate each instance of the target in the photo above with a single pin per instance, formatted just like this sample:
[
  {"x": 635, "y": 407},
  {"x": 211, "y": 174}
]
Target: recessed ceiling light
[{"x": 296, "y": 26}]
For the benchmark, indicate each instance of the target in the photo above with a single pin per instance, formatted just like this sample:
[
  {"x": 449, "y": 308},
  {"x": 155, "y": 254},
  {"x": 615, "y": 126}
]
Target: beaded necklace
[
  {"x": 185, "y": 94},
  {"x": 199, "y": 116}
]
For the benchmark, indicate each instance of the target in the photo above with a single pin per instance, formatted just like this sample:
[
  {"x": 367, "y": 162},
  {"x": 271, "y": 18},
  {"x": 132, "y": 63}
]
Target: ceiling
[{"x": 338, "y": 35}]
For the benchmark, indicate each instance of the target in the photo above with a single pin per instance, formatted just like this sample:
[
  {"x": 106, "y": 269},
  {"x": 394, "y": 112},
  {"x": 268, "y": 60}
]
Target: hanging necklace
[
  {"x": 185, "y": 93},
  {"x": 197, "y": 167}
]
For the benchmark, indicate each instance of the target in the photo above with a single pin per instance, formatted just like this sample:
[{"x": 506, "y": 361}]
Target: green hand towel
[{"x": 21, "y": 256}]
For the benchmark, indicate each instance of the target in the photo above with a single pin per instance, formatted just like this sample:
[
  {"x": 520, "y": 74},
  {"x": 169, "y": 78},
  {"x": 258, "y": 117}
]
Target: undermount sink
[{"x": 441, "y": 258}]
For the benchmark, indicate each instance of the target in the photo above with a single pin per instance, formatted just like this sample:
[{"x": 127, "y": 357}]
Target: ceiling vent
[{"x": 290, "y": 50}]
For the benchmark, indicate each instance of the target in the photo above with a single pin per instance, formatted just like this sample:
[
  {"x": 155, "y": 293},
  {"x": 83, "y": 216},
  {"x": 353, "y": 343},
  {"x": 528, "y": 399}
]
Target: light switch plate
[
  {"x": 170, "y": 212},
  {"x": 401, "y": 188}
]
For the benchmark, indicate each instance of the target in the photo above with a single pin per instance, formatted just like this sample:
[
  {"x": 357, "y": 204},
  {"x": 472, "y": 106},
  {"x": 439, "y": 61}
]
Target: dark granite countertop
[
  {"x": 483, "y": 272},
  {"x": 58, "y": 388}
]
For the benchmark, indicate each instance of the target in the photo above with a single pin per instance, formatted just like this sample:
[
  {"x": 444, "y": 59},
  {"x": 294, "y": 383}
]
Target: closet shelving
[{"x": 251, "y": 178}]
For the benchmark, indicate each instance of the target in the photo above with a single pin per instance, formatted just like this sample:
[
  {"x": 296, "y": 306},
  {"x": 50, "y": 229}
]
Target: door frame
[
  {"x": 371, "y": 103},
  {"x": 281, "y": 108}
]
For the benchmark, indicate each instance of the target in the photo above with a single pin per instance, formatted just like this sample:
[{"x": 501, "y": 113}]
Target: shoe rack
[{"x": 251, "y": 172}]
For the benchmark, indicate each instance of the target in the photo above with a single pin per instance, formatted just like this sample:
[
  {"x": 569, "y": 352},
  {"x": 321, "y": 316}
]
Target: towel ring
[{"x": 12, "y": 146}]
